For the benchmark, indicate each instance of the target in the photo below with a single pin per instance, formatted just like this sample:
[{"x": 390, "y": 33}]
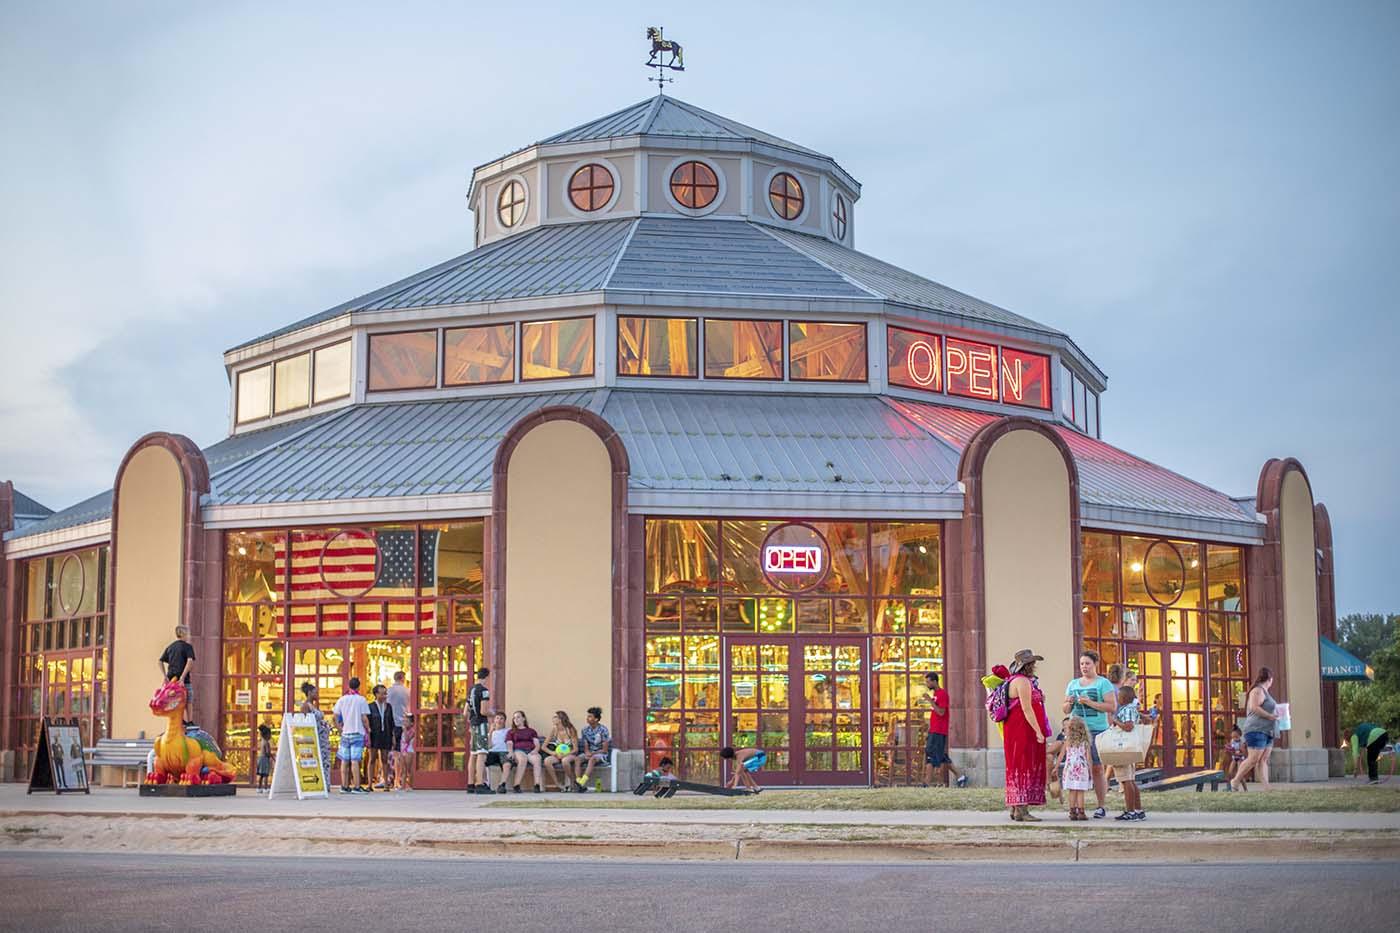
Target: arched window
[
  {"x": 838, "y": 217},
  {"x": 694, "y": 185},
  {"x": 785, "y": 194},
  {"x": 591, "y": 187},
  {"x": 510, "y": 203}
]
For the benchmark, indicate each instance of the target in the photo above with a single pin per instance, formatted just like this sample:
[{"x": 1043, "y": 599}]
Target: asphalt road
[{"x": 62, "y": 891}]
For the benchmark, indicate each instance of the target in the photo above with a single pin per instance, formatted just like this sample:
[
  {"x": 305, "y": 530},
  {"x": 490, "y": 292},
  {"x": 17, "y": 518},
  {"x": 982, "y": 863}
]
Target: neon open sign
[
  {"x": 792, "y": 558},
  {"x": 968, "y": 368}
]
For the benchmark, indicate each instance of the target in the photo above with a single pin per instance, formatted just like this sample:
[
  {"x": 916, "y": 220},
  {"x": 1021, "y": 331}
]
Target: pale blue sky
[{"x": 1204, "y": 198}]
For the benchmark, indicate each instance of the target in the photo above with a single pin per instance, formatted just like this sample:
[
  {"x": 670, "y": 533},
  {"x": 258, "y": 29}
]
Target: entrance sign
[
  {"x": 59, "y": 765},
  {"x": 298, "y": 768},
  {"x": 795, "y": 557}
]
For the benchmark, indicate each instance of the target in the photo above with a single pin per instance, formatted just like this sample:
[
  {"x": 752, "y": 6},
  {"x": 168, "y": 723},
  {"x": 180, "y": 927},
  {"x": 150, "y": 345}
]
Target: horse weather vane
[{"x": 665, "y": 54}]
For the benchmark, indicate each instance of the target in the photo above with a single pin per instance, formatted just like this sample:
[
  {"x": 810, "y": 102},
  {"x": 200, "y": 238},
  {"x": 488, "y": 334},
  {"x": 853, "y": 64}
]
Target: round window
[
  {"x": 591, "y": 188},
  {"x": 785, "y": 194},
  {"x": 350, "y": 563},
  {"x": 694, "y": 185},
  {"x": 72, "y": 581},
  {"x": 795, "y": 557},
  {"x": 510, "y": 203},
  {"x": 1163, "y": 573},
  {"x": 838, "y": 217}
]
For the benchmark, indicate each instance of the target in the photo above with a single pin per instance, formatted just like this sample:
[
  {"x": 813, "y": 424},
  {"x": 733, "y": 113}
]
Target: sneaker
[
  {"x": 346, "y": 790},
  {"x": 515, "y": 789},
  {"x": 962, "y": 781},
  {"x": 483, "y": 788},
  {"x": 539, "y": 789},
  {"x": 362, "y": 790},
  {"x": 1139, "y": 815},
  {"x": 581, "y": 787},
  {"x": 1100, "y": 813},
  {"x": 471, "y": 788},
  {"x": 1125, "y": 816},
  {"x": 501, "y": 789}
]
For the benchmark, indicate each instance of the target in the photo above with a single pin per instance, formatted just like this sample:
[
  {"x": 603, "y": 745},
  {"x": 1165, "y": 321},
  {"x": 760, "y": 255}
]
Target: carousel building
[{"x": 663, "y": 441}]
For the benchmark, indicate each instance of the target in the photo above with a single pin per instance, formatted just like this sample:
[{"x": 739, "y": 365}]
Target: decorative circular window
[
  {"x": 510, "y": 203},
  {"x": 1163, "y": 573},
  {"x": 350, "y": 563},
  {"x": 795, "y": 557},
  {"x": 72, "y": 581},
  {"x": 785, "y": 194},
  {"x": 591, "y": 188},
  {"x": 694, "y": 185},
  {"x": 838, "y": 217}
]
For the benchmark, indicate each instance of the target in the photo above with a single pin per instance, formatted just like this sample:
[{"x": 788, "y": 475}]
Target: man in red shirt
[{"x": 936, "y": 748}]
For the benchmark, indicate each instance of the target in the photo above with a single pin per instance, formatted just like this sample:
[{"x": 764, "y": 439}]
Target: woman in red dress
[{"x": 1023, "y": 738}]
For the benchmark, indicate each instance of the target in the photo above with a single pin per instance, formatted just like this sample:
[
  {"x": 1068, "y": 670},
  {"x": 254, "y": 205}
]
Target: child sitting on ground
[
  {"x": 747, "y": 761},
  {"x": 1077, "y": 778},
  {"x": 1127, "y": 716},
  {"x": 264, "y": 765}
]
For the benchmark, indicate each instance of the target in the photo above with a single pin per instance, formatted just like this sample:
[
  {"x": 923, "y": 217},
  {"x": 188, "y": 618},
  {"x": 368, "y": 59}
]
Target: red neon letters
[
  {"x": 973, "y": 370},
  {"x": 792, "y": 558}
]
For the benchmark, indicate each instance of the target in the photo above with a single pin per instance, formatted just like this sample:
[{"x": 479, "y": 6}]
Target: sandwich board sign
[
  {"x": 59, "y": 765},
  {"x": 298, "y": 768}
]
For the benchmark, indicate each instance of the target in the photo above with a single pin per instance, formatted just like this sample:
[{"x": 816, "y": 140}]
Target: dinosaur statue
[{"x": 182, "y": 758}]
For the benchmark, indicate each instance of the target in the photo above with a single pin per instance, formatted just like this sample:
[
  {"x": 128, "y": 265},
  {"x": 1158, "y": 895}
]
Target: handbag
[{"x": 1118, "y": 748}]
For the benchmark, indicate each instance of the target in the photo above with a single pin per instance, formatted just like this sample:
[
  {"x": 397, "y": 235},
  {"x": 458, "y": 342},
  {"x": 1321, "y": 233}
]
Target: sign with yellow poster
[{"x": 298, "y": 768}]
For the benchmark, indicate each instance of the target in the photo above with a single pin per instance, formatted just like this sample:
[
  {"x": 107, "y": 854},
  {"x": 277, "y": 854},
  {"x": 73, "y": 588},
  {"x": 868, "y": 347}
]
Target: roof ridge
[
  {"x": 819, "y": 261},
  {"x": 622, "y": 251},
  {"x": 653, "y": 111},
  {"x": 578, "y": 126}
]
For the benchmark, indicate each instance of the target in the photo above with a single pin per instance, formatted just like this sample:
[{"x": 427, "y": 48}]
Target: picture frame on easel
[{"x": 59, "y": 765}]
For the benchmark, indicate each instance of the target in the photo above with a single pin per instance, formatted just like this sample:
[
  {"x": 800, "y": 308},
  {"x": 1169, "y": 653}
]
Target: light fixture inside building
[{"x": 1136, "y": 566}]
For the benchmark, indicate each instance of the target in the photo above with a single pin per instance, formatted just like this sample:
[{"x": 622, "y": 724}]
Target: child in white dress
[{"x": 1077, "y": 777}]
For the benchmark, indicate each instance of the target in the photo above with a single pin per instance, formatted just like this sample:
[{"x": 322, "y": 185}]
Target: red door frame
[
  {"x": 796, "y": 773},
  {"x": 1166, "y": 733}
]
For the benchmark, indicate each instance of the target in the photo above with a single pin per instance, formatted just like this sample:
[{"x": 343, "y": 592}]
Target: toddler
[{"x": 1077, "y": 778}]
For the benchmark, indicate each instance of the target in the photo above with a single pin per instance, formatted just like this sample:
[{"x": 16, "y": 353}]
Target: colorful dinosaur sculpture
[{"x": 182, "y": 758}]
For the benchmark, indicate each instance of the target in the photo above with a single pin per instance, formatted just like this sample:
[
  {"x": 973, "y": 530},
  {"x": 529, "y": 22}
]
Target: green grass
[{"x": 1382, "y": 799}]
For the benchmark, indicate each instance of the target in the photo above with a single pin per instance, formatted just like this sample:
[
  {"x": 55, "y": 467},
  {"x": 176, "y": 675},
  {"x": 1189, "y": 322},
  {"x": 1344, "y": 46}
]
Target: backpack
[{"x": 999, "y": 702}]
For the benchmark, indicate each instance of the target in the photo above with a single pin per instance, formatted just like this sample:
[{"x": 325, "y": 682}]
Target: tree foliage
[
  {"x": 1365, "y": 633},
  {"x": 1378, "y": 701}
]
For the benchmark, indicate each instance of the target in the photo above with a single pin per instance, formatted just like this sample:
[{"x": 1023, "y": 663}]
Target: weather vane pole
[{"x": 665, "y": 54}]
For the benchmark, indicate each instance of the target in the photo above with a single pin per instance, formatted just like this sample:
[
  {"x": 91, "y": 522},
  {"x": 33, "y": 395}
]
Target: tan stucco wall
[
  {"x": 659, "y": 170},
  {"x": 560, "y": 170},
  {"x": 1026, "y": 538},
  {"x": 559, "y": 574},
  {"x": 1304, "y": 679},
  {"x": 149, "y": 553}
]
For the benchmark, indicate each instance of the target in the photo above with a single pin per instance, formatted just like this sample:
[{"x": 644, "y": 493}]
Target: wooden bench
[
  {"x": 493, "y": 774},
  {"x": 1143, "y": 776},
  {"x": 127, "y": 754},
  {"x": 1196, "y": 779}
]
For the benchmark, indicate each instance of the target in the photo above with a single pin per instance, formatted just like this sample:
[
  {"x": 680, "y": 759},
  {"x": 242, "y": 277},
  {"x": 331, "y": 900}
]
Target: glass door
[
  {"x": 1173, "y": 682},
  {"x": 71, "y": 690},
  {"x": 833, "y": 704},
  {"x": 438, "y": 685},
  {"x": 802, "y": 700},
  {"x": 759, "y": 701},
  {"x": 324, "y": 663}
]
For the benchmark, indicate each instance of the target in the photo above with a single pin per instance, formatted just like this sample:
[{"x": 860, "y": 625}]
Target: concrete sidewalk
[{"x": 457, "y": 807}]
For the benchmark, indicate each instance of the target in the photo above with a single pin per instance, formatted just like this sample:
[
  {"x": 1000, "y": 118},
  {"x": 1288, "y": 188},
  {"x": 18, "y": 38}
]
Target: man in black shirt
[
  {"x": 178, "y": 664},
  {"x": 480, "y": 732}
]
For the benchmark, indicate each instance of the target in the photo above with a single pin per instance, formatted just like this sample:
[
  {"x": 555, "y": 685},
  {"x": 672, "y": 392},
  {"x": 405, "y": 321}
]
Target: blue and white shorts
[{"x": 352, "y": 746}]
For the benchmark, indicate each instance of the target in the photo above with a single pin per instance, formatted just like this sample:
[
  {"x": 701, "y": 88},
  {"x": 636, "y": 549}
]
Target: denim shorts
[
  {"x": 352, "y": 746},
  {"x": 1094, "y": 746},
  {"x": 1258, "y": 740}
]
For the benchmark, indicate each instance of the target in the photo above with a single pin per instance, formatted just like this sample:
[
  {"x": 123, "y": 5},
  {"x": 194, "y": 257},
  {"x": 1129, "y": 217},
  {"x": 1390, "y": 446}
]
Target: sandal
[
  {"x": 1029, "y": 817},
  {"x": 1016, "y": 814}
]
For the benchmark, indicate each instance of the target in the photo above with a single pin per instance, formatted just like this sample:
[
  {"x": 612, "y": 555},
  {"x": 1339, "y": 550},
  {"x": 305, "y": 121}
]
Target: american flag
[{"x": 340, "y": 565}]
